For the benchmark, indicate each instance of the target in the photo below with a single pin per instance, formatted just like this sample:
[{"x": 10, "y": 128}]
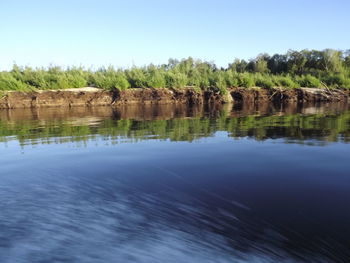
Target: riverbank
[{"x": 99, "y": 97}]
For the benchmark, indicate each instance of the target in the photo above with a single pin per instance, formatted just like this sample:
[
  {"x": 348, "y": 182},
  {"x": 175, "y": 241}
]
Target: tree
[
  {"x": 277, "y": 64},
  {"x": 332, "y": 60},
  {"x": 296, "y": 61},
  {"x": 259, "y": 64},
  {"x": 238, "y": 65}
]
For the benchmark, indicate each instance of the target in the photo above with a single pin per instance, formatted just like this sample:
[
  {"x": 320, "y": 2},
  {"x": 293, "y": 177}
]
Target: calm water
[{"x": 175, "y": 184}]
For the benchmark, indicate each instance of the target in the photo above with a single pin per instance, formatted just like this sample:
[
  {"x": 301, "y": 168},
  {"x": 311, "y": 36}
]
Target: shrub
[
  {"x": 217, "y": 80},
  {"x": 246, "y": 80},
  {"x": 110, "y": 80},
  {"x": 136, "y": 77},
  {"x": 337, "y": 80},
  {"x": 309, "y": 81},
  {"x": 231, "y": 78},
  {"x": 35, "y": 78},
  {"x": 204, "y": 82},
  {"x": 76, "y": 81},
  {"x": 194, "y": 78},
  {"x": 8, "y": 82},
  {"x": 76, "y": 78},
  {"x": 155, "y": 78},
  {"x": 286, "y": 82},
  {"x": 175, "y": 80},
  {"x": 119, "y": 82},
  {"x": 330, "y": 66},
  {"x": 264, "y": 81}
]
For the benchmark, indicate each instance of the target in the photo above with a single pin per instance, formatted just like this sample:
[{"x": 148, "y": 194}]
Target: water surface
[{"x": 175, "y": 184}]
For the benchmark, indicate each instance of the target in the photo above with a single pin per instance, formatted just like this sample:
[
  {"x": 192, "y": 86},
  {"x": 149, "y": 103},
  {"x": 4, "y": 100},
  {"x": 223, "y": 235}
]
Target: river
[{"x": 175, "y": 184}]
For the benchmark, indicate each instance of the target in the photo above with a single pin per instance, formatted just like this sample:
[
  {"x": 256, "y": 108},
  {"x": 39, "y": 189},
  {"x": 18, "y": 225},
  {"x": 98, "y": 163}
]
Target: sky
[{"x": 138, "y": 32}]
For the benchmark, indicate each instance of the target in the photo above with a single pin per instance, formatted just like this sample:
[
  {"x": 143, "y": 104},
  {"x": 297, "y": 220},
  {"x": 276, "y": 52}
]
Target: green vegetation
[{"x": 307, "y": 68}]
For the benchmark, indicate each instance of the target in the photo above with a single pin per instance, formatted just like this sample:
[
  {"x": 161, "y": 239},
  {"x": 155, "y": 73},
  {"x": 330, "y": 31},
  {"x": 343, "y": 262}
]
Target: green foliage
[
  {"x": 337, "y": 81},
  {"x": 332, "y": 60},
  {"x": 217, "y": 80},
  {"x": 308, "y": 81},
  {"x": 175, "y": 80},
  {"x": 306, "y": 68},
  {"x": 264, "y": 81},
  {"x": 34, "y": 78},
  {"x": 286, "y": 82},
  {"x": 9, "y": 82},
  {"x": 76, "y": 78},
  {"x": 136, "y": 77},
  {"x": 246, "y": 80},
  {"x": 346, "y": 61},
  {"x": 296, "y": 62},
  {"x": 259, "y": 65},
  {"x": 155, "y": 77},
  {"x": 232, "y": 79},
  {"x": 195, "y": 79},
  {"x": 238, "y": 65},
  {"x": 110, "y": 79}
]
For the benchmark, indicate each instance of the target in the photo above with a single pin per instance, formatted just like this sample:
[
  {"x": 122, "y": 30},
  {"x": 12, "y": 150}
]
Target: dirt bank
[
  {"x": 277, "y": 95},
  {"x": 97, "y": 97}
]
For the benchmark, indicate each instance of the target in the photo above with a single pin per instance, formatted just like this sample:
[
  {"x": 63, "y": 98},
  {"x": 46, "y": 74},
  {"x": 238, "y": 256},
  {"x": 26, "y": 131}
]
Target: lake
[{"x": 263, "y": 183}]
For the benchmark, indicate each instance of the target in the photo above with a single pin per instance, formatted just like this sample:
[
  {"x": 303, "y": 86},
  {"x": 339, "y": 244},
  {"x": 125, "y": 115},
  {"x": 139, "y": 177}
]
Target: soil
[{"x": 90, "y": 96}]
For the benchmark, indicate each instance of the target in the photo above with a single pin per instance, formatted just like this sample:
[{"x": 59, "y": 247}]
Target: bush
[
  {"x": 231, "y": 78},
  {"x": 8, "y": 82},
  {"x": 193, "y": 78},
  {"x": 34, "y": 78},
  {"x": 76, "y": 78},
  {"x": 203, "y": 82},
  {"x": 217, "y": 80},
  {"x": 286, "y": 82},
  {"x": 110, "y": 80},
  {"x": 120, "y": 82},
  {"x": 291, "y": 70},
  {"x": 155, "y": 78},
  {"x": 136, "y": 77},
  {"x": 337, "y": 80},
  {"x": 246, "y": 80},
  {"x": 175, "y": 80},
  {"x": 76, "y": 81},
  {"x": 264, "y": 81},
  {"x": 309, "y": 81}
]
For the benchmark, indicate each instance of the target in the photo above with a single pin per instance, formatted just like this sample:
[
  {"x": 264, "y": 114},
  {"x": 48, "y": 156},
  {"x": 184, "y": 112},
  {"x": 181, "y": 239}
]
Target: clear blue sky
[{"x": 123, "y": 33}]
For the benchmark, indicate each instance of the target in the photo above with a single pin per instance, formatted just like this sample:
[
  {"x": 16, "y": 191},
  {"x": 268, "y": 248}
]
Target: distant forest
[{"x": 328, "y": 68}]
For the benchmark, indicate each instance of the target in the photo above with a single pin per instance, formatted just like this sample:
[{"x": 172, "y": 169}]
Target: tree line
[{"x": 306, "y": 68}]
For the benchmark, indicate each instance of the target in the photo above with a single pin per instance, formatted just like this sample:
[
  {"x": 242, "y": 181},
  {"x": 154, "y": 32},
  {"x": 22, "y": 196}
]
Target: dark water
[{"x": 175, "y": 184}]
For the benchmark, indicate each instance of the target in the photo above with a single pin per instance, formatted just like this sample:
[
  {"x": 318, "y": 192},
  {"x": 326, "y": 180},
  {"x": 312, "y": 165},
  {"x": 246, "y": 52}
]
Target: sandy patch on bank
[
  {"x": 314, "y": 90},
  {"x": 85, "y": 89}
]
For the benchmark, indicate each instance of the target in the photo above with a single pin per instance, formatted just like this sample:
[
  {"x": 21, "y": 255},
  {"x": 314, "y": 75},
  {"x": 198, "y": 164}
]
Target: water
[{"x": 175, "y": 184}]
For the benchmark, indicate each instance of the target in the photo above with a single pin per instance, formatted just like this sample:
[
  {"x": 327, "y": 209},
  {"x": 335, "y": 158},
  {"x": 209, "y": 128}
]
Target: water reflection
[
  {"x": 248, "y": 188},
  {"x": 308, "y": 124}
]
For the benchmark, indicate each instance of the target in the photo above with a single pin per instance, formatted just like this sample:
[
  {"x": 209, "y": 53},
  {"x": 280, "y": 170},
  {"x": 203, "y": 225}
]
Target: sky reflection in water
[{"x": 175, "y": 184}]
